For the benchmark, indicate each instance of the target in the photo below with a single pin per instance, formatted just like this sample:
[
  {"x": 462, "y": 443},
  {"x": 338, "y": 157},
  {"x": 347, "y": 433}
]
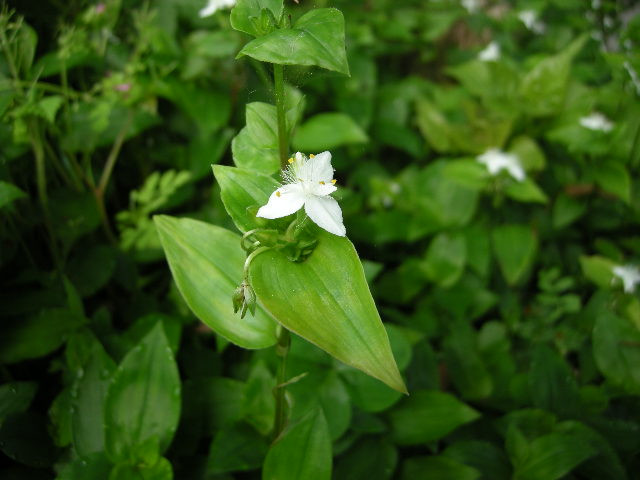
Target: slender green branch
[
  {"x": 99, "y": 191},
  {"x": 282, "y": 350},
  {"x": 283, "y": 140}
]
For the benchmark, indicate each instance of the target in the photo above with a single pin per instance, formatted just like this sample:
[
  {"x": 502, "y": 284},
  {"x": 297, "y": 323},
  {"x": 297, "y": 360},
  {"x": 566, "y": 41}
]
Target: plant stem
[
  {"x": 283, "y": 141},
  {"x": 99, "y": 191},
  {"x": 282, "y": 350}
]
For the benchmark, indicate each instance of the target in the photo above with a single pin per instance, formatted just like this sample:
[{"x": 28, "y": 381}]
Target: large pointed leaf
[
  {"x": 142, "y": 407},
  {"x": 316, "y": 39},
  {"x": 515, "y": 247},
  {"x": 302, "y": 452},
  {"x": 326, "y": 300},
  {"x": 206, "y": 262}
]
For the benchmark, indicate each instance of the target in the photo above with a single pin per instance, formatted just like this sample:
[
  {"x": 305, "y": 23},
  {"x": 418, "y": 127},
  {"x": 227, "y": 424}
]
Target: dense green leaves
[
  {"x": 327, "y": 131},
  {"x": 317, "y": 38},
  {"x": 206, "y": 262},
  {"x": 326, "y": 300}
]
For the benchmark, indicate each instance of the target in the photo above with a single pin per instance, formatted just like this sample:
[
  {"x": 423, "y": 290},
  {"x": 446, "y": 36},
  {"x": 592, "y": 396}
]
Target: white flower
[
  {"x": 490, "y": 53},
  {"x": 213, "y": 6},
  {"x": 472, "y": 6},
  {"x": 530, "y": 20},
  {"x": 596, "y": 121},
  {"x": 308, "y": 183},
  {"x": 629, "y": 275},
  {"x": 496, "y": 160}
]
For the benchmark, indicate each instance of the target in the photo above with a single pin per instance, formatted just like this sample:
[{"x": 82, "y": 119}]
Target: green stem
[
  {"x": 99, "y": 191},
  {"x": 282, "y": 350},
  {"x": 283, "y": 141}
]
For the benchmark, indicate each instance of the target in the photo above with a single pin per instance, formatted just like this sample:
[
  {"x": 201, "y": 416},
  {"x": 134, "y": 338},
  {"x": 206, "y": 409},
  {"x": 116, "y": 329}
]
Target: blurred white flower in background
[
  {"x": 472, "y": 6},
  {"x": 629, "y": 275},
  {"x": 597, "y": 121},
  {"x": 308, "y": 183},
  {"x": 496, "y": 160},
  {"x": 490, "y": 53},
  {"x": 530, "y": 20},
  {"x": 213, "y": 6},
  {"x": 634, "y": 76}
]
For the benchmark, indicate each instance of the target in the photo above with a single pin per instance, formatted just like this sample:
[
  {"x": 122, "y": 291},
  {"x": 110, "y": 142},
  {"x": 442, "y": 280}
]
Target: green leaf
[
  {"x": 24, "y": 439},
  {"x": 88, "y": 395},
  {"x": 92, "y": 268},
  {"x": 468, "y": 371},
  {"x": 286, "y": 458},
  {"x": 243, "y": 192},
  {"x": 437, "y": 468},
  {"x": 142, "y": 406},
  {"x": 552, "y": 384},
  {"x": 247, "y": 10},
  {"x": 37, "y": 335},
  {"x": 615, "y": 348},
  {"x": 236, "y": 448},
  {"x": 95, "y": 467},
  {"x": 567, "y": 210},
  {"x": 259, "y": 405},
  {"x": 515, "y": 248},
  {"x": 317, "y": 38},
  {"x": 256, "y": 146},
  {"x": 434, "y": 126},
  {"x": 49, "y": 106},
  {"x": 599, "y": 270},
  {"x": 529, "y": 153},
  {"x": 551, "y": 457},
  {"x": 468, "y": 173},
  {"x": 445, "y": 259},
  {"x": 9, "y": 193},
  {"x": 160, "y": 470},
  {"x": 15, "y": 397},
  {"x": 526, "y": 191},
  {"x": 485, "y": 457},
  {"x": 326, "y": 300},
  {"x": 427, "y": 416},
  {"x": 206, "y": 262},
  {"x": 359, "y": 463},
  {"x": 614, "y": 178},
  {"x": 544, "y": 87},
  {"x": 326, "y": 131}
]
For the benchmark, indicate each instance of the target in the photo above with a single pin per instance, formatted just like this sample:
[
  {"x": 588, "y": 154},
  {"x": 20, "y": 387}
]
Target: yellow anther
[
  {"x": 321, "y": 183},
  {"x": 277, "y": 193},
  {"x": 290, "y": 160},
  {"x": 311, "y": 155},
  {"x": 333, "y": 182}
]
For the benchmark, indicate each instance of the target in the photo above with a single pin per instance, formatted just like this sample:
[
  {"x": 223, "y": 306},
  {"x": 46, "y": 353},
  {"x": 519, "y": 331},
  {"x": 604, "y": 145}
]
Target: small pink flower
[
  {"x": 100, "y": 8},
  {"x": 122, "y": 87}
]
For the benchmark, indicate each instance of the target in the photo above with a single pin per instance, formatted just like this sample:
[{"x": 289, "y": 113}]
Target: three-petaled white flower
[
  {"x": 213, "y": 6},
  {"x": 629, "y": 275},
  {"x": 491, "y": 53},
  {"x": 597, "y": 121},
  {"x": 496, "y": 160},
  {"x": 308, "y": 181}
]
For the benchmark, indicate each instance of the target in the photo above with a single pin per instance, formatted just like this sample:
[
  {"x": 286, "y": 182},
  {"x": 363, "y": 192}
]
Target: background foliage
[{"x": 519, "y": 346}]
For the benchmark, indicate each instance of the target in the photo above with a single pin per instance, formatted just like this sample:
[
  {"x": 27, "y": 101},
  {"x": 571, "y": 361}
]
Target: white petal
[
  {"x": 326, "y": 213},
  {"x": 318, "y": 168},
  {"x": 322, "y": 189},
  {"x": 284, "y": 201}
]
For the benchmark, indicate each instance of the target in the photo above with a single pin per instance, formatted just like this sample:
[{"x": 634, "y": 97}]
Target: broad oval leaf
[
  {"x": 427, "y": 416},
  {"x": 303, "y": 451},
  {"x": 206, "y": 262},
  {"x": 317, "y": 38},
  {"x": 142, "y": 407},
  {"x": 326, "y": 300},
  {"x": 326, "y": 131}
]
